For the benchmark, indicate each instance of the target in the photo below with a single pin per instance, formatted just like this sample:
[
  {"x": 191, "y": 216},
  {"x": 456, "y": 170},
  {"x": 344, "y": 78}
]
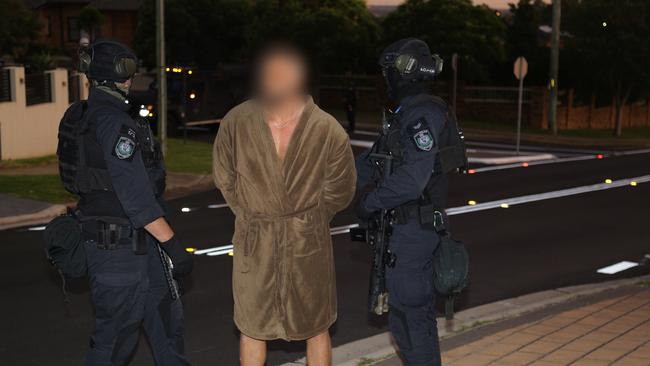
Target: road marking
[
  {"x": 37, "y": 228},
  {"x": 474, "y": 206},
  {"x": 361, "y": 143},
  {"x": 220, "y": 252},
  {"x": 546, "y": 195},
  {"x": 218, "y": 205},
  {"x": 207, "y": 250},
  {"x": 618, "y": 267},
  {"x": 532, "y": 163}
]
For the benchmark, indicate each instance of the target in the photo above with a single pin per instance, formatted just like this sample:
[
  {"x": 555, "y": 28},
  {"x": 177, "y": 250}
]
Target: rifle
[{"x": 376, "y": 232}]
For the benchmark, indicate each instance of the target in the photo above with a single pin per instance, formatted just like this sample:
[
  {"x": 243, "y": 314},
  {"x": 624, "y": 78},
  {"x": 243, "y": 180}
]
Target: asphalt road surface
[{"x": 516, "y": 250}]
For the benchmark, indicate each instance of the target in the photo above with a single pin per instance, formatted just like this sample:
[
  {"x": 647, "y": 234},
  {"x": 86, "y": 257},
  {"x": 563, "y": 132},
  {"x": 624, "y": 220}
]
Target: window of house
[{"x": 73, "y": 29}]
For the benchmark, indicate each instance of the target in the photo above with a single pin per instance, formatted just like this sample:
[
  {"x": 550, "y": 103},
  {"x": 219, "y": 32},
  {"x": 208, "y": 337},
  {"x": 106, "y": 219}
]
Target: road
[{"x": 521, "y": 249}]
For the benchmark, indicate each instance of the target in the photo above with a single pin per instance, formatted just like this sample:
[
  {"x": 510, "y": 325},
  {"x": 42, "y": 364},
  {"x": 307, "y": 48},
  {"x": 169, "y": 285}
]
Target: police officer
[
  {"x": 120, "y": 179},
  {"x": 414, "y": 192}
]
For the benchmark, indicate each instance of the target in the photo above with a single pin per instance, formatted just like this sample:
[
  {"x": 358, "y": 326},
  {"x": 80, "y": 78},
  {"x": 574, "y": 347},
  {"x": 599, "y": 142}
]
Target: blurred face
[{"x": 281, "y": 77}]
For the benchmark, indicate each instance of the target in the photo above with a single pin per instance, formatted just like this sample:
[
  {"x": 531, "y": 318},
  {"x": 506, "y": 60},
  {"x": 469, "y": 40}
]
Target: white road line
[
  {"x": 503, "y": 203},
  {"x": 547, "y": 195},
  {"x": 218, "y": 205},
  {"x": 511, "y": 159},
  {"x": 220, "y": 252},
  {"x": 618, "y": 267},
  {"x": 207, "y": 250},
  {"x": 361, "y": 143},
  {"x": 539, "y": 162}
]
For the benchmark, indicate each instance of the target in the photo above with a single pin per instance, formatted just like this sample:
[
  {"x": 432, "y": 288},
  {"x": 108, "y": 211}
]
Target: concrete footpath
[{"x": 599, "y": 324}]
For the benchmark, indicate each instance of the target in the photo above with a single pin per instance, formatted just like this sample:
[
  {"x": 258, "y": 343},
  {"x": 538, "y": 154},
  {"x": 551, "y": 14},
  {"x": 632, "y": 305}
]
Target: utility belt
[
  {"x": 428, "y": 215},
  {"x": 111, "y": 233}
]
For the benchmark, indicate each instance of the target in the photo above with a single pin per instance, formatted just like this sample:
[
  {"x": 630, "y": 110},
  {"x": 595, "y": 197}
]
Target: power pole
[
  {"x": 553, "y": 70},
  {"x": 162, "y": 75}
]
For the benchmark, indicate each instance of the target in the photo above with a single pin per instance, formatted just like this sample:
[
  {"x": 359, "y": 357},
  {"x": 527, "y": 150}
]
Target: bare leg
[
  {"x": 252, "y": 352},
  {"x": 319, "y": 350}
]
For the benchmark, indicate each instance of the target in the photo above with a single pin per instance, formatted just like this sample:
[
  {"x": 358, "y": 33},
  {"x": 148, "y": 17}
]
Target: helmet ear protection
[
  {"x": 410, "y": 67},
  {"x": 124, "y": 65}
]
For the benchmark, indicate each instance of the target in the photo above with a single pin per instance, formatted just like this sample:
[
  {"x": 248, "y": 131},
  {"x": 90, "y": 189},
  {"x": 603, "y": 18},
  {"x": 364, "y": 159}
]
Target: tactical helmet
[
  {"x": 108, "y": 61},
  {"x": 411, "y": 60}
]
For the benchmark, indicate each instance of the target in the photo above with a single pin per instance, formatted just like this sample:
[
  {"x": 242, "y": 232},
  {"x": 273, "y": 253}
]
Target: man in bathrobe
[{"x": 285, "y": 167}]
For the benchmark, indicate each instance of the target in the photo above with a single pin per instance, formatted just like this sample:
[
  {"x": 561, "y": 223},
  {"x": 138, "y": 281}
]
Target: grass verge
[
  {"x": 189, "y": 156},
  {"x": 28, "y": 163},
  {"x": 47, "y": 188}
]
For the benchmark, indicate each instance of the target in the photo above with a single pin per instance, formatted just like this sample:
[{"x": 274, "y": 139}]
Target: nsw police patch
[
  {"x": 124, "y": 148},
  {"x": 423, "y": 140}
]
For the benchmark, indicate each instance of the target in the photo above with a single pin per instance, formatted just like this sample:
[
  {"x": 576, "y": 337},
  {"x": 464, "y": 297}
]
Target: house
[{"x": 60, "y": 21}]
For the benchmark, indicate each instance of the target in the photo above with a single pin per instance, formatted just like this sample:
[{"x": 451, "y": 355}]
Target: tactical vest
[
  {"x": 82, "y": 167},
  {"x": 452, "y": 154}
]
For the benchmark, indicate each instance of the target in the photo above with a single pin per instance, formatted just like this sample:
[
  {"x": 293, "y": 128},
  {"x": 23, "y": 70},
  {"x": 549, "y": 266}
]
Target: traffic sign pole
[{"x": 520, "y": 71}]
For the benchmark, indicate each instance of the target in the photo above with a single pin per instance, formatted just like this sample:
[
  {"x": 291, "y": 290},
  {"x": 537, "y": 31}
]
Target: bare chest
[{"x": 282, "y": 138}]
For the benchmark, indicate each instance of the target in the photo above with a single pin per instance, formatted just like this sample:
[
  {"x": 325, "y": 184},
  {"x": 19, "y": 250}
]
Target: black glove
[
  {"x": 181, "y": 259},
  {"x": 360, "y": 209}
]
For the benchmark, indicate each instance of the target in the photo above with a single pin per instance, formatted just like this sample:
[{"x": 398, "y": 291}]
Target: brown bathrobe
[{"x": 283, "y": 271}]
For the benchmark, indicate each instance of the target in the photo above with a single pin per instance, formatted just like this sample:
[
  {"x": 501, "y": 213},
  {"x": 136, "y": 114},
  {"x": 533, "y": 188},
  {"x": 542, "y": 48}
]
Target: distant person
[
  {"x": 285, "y": 167},
  {"x": 414, "y": 193},
  {"x": 114, "y": 165},
  {"x": 351, "y": 106}
]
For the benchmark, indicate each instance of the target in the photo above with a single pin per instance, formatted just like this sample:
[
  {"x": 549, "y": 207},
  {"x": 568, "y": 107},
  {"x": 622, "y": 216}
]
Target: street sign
[{"x": 521, "y": 68}]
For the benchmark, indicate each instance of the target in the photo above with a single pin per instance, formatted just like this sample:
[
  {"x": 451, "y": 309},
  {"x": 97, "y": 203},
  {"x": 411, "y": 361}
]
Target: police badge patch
[
  {"x": 124, "y": 148},
  {"x": 423, "y": 140}
]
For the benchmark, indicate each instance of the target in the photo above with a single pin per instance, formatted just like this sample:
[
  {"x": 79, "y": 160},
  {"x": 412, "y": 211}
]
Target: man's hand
[
  {"x": 181, "y": 259},
  {"x": 360, "y": 209}
]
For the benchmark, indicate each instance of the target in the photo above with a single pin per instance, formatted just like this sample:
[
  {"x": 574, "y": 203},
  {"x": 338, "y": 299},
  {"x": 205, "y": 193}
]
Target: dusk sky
[{"x": 498, "y": 4}]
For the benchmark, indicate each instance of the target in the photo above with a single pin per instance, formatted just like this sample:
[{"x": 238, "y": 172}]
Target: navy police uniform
[
  {"x": 418, "y": 130},
  {"x": 112, "y": 162},
  {"x": 128, "y": 289}
]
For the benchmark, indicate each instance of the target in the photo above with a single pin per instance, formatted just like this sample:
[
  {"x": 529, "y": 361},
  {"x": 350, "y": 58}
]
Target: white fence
[{"x": 31, "y": 110}]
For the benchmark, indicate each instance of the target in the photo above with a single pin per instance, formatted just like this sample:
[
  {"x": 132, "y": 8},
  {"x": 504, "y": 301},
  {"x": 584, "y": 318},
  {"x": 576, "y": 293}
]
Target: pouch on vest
[
  {"x": 450, "y": 271},
  {"x": 64, "y": 246}
]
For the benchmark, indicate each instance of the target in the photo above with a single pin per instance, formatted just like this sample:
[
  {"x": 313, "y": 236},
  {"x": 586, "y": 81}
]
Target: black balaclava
[{"x": 399, "y": 85}]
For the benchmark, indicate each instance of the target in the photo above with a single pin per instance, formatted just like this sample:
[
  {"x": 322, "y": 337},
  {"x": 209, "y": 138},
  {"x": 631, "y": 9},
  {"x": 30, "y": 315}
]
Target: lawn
[
  {"x": 189, "y": 156},
  {"x": 28, "y": 163},
  {"x": 46, "y": 188},
  {"x": 184, "y": 157}
]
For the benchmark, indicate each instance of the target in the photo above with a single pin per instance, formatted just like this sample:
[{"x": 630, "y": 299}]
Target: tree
[
  {"x": 476, "y": 33},
  {"x": 90, "y": 19},
  {"x": 338, "y": 35},
  {"x": 198, "y": 32},
  {"x": 19, "y": 29},
  {"x": 209, "y": 32},
  {"x": 610, "y": 48},
  {"x": 523, "y": 38}
]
